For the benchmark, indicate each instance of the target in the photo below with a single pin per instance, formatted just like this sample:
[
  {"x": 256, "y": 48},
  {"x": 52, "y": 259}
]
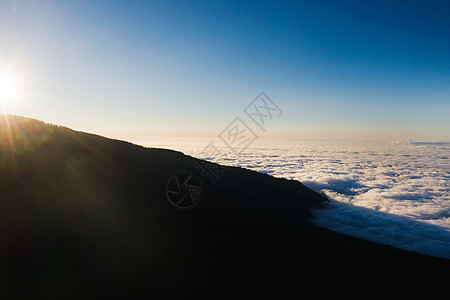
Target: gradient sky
[{"x": 366, "y": 69}]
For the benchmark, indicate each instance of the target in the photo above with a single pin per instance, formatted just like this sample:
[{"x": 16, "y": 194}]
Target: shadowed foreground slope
[{"x": 82, "y": 215}]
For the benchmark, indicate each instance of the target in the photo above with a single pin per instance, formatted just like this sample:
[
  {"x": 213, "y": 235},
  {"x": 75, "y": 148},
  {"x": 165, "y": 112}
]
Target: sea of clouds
[{"x": 391, "y": 193}]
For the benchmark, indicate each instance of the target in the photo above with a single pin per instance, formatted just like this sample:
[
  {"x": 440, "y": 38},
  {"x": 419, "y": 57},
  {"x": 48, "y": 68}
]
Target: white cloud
[
  {"x": 396, "y": 194},
  {"x": 385, "y": 228}
]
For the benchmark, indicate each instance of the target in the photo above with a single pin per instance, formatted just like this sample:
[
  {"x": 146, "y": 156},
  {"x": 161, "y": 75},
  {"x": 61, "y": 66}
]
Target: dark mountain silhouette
[{"x": 86, "y": 216}]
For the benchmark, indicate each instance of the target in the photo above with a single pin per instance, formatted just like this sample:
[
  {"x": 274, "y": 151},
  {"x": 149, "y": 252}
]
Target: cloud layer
[{"x": 396, "y": 194}]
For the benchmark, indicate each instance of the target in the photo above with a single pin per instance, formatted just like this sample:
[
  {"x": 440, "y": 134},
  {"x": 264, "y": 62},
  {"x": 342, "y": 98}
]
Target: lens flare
[{"x": 8, "y": 87}]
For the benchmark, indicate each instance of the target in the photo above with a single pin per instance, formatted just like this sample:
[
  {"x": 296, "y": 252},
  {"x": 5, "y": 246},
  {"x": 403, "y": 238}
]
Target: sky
[{"x": 337, "y": 69}]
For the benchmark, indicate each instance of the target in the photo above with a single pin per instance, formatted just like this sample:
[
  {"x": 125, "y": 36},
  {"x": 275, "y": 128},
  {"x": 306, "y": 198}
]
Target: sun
[{"x": 8, "y": 87}]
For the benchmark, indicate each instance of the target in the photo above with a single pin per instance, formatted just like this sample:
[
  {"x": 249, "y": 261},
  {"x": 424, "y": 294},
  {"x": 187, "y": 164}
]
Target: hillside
[{"x": 85, "y": 216}]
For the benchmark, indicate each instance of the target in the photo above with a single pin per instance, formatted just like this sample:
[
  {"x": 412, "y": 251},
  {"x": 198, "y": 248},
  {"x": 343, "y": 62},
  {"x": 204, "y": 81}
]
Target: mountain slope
[{"x": 82, "y": 215}]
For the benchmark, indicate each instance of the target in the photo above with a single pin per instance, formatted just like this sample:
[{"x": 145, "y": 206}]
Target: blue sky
[{"x": 172, "y": 68}]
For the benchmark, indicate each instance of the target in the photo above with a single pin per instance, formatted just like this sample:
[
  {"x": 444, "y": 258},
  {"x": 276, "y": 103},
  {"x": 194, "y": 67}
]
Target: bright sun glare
[{"x": 8, "y": 87}]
